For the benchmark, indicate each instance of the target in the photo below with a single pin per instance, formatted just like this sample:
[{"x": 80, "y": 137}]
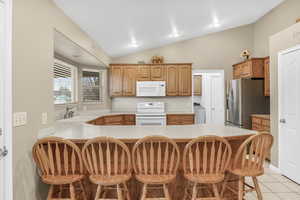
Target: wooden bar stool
[
  {"x": 108, "y": 162},
  {"x": 205, "y": 160},
  {"x": 60, "y": 164},
  {"x": 249, "y": 161},
  {"x": 155, "y": 162}
]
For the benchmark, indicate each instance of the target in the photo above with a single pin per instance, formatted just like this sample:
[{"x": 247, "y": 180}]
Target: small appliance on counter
[
  {"x": 151, "y": 114},
  {"x": 150, "y": 88},
  {"x": 244, "y": 98}
]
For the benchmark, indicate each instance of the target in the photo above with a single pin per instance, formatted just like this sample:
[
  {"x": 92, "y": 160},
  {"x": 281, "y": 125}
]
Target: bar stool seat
[
  {"x": 205, "y": 179},
  {"x": 61, "y": 180},
  {"x": 157, "y": 179},
  {"x": 109, "y": 180}
]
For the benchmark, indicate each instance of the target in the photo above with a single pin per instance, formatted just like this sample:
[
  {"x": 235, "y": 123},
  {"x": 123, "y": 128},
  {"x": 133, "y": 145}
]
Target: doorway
[
  {"x": 5, "y": 100},
  {"x": 209, "y": 96},
  {"x": 289, "y": 112}
]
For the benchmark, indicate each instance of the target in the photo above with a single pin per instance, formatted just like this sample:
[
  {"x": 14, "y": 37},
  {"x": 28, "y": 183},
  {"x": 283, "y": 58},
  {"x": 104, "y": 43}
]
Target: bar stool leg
[
  {"x": 194, "y": 195},
  {"x": 99, "y": 188},
  {"x": 72, "y": 192},
  {"x": 119, "y": 192},
  {"x": 49, "y": 197},
  {"x": 166, "y": 192},
  {"x": 257, "y": 188},
  {"x": 83, "y": 190},
  {"x": 241, "y": 188},
  {"x": 216, "y": 191},
  {"x": 144, "y": 192},
  {"x": 126, "y": 191}
]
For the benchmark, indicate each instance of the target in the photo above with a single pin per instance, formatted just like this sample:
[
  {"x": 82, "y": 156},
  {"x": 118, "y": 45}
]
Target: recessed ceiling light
[{"x": 134, "y": 43}]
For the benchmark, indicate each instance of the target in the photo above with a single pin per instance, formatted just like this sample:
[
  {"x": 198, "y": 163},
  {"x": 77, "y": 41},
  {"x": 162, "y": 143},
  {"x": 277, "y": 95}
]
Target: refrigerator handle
[{"x": 227, "y": 102}]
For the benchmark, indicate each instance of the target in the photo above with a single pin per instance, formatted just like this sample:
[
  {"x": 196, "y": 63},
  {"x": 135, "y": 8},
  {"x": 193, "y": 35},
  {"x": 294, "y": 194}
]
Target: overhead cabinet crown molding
[{"x": 178, "y": 77}]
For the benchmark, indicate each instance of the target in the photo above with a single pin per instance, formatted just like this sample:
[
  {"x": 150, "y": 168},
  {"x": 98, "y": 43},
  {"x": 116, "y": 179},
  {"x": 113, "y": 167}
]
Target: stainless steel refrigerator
[{"x": 244, "y": 98}]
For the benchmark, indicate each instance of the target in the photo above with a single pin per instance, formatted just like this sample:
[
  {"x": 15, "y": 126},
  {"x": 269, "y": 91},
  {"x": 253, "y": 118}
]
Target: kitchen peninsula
[{"x": 79, "y": 131}]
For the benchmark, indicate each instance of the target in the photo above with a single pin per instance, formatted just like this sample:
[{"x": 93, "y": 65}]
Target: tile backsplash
[{"x": 173, "y": 104}]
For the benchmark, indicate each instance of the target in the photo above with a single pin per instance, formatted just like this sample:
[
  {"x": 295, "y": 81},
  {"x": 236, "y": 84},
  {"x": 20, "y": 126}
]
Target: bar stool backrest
[
  {"x": 106, "y": 156},
  {"x": 57, "y": 157},
  {"x": 206, "y": 155},
  {"x": 252, "y": 153},
  {"x": 155, "y": 155}
]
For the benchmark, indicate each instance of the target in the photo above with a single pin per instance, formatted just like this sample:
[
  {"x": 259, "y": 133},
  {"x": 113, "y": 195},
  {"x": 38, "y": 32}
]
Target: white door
[
  {"x": 214, "y": 99},
  {"x": 1, "y": 98},
  {"x": 217, "y": 100},
  {"x": 289, "y": 113}
]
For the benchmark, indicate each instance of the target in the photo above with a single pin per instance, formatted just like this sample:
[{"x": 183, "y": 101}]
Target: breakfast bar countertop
[{"x": 77, "y": 129}]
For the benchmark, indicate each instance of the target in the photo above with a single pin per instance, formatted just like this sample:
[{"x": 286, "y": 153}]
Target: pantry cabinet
[
  {"x": 267, "y": 76},
  {"x": 253, "y": 68},
  {"x": 178, "y": 78}
]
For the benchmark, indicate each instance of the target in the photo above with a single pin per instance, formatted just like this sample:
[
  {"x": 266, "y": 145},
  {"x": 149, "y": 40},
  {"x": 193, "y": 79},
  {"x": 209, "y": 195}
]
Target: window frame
[
  {"x": 101, "y": 86},
  {"x": 74, "y": 75}
]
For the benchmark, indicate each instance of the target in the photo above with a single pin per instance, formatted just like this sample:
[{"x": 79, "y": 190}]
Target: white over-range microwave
[{"x": 151, "y": 88}]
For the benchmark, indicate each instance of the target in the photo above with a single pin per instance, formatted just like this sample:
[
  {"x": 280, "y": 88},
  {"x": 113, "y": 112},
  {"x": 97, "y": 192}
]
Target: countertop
[
  {"x": 77, "y": 129},
  {"x": 265, "y": 116}
]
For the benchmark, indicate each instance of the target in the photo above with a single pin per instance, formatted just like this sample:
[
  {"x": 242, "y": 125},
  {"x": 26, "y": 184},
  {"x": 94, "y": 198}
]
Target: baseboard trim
[{"x": 275, "y": 169}]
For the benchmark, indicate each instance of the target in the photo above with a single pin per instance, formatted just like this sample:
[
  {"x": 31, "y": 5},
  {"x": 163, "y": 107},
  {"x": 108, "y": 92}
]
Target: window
[
  {"x": 92, "y": 86},
  {"x": 65, "y": 76}
]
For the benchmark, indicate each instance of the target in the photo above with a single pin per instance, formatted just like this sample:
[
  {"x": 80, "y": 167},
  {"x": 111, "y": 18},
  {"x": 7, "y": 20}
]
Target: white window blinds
[
  {"x": 64, "y": 82},
  {"x": 92, "y": 86}
]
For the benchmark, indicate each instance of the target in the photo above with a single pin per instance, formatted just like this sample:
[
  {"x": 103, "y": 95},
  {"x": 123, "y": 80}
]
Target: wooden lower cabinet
[
  {"x": 129, "y": 119},
  {"x": 261, "y": 123},
  {"x": 180, "y": 119}
]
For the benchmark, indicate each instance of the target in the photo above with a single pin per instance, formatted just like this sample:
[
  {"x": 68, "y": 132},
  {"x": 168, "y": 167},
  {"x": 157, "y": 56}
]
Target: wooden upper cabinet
[
  {"x": 185, "y": 80},
  {"x": 116, "y": 81},
  {"x": 198, "y": 85},
  {"x": 157, "y": 73},
  {"x": 123, "y": 78},
  {"x": 267, "y": 76},
  {"x": 172, "y": 80},
  {"x": 143, "y": 73},
  {"x": 129, "y": 80},
  {"x": 253, "y": 68}
]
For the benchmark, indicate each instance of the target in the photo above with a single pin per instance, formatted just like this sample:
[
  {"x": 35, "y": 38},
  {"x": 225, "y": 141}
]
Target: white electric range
[{"x": 151, "y": 114}]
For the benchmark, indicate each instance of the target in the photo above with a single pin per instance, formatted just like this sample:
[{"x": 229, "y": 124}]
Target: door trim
[
  {"x": 220, "y": 72},
  {"x": 279, "y": 82},
  {"x": 8, "y": 101}
]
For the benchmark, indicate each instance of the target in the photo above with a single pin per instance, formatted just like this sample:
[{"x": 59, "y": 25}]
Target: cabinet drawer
[
  {"x": 112, "y": 120},
  {"x": 266, "y": 122},
  {"x": 183, "y": 119},
  {"x": 256, "y": 120}
]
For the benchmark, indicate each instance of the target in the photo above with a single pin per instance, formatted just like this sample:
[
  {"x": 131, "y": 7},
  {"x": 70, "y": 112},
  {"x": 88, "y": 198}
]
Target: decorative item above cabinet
[
  {"x": 252, "y": 68},
  {"x": 178, "y": 77}
]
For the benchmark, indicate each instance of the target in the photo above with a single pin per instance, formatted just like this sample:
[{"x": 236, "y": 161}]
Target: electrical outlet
[
  {"x": 20, "y": 119},
  {"x": 44, "y": 118}
]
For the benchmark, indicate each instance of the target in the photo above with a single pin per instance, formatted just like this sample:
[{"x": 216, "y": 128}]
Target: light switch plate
[
  {"x": 20, "y": 119},
  {"x": 44, "y": 118}
]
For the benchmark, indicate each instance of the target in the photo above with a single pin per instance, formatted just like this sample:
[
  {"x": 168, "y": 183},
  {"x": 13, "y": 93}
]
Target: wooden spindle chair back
[
  {"x": 252, "y": 153},
  {"x": 207, "y": 155},
  {"x": 106, "y": 156},
  {"x": 155, "y": 155},
  {"x": 57, "y": 157}
]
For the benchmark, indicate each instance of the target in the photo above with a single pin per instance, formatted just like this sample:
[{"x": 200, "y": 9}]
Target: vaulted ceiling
[{"x": 125, "y": 26}]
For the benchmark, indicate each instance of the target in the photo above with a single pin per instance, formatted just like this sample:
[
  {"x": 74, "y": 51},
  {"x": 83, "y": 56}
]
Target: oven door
[{"x": 151, "y": 120}]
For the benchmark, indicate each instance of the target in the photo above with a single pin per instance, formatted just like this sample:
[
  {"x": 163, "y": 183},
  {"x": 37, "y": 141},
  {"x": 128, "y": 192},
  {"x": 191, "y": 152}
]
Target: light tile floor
[{"x": 275, "y": 187}]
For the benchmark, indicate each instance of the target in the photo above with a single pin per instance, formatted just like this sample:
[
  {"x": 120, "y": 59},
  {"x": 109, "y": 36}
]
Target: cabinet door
[
  {"x": 172, "y": 80},
  {"x": 267, "y": 76},
  {"x": 143, "y": 73},
  {"x": 157, "y": 73},
  {"x": 246, "y": 71},
  {"x": 185, "y": 80},
  {"x": 198, "y": 85},
  {"x": 129, "y": 80},
  {"x": 237, "y": 70},
  {"x": 116, "y": 80}
]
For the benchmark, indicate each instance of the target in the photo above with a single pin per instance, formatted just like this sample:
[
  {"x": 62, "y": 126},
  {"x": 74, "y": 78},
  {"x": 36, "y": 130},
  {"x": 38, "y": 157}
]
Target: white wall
[{"x": 34, "y": 22}]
